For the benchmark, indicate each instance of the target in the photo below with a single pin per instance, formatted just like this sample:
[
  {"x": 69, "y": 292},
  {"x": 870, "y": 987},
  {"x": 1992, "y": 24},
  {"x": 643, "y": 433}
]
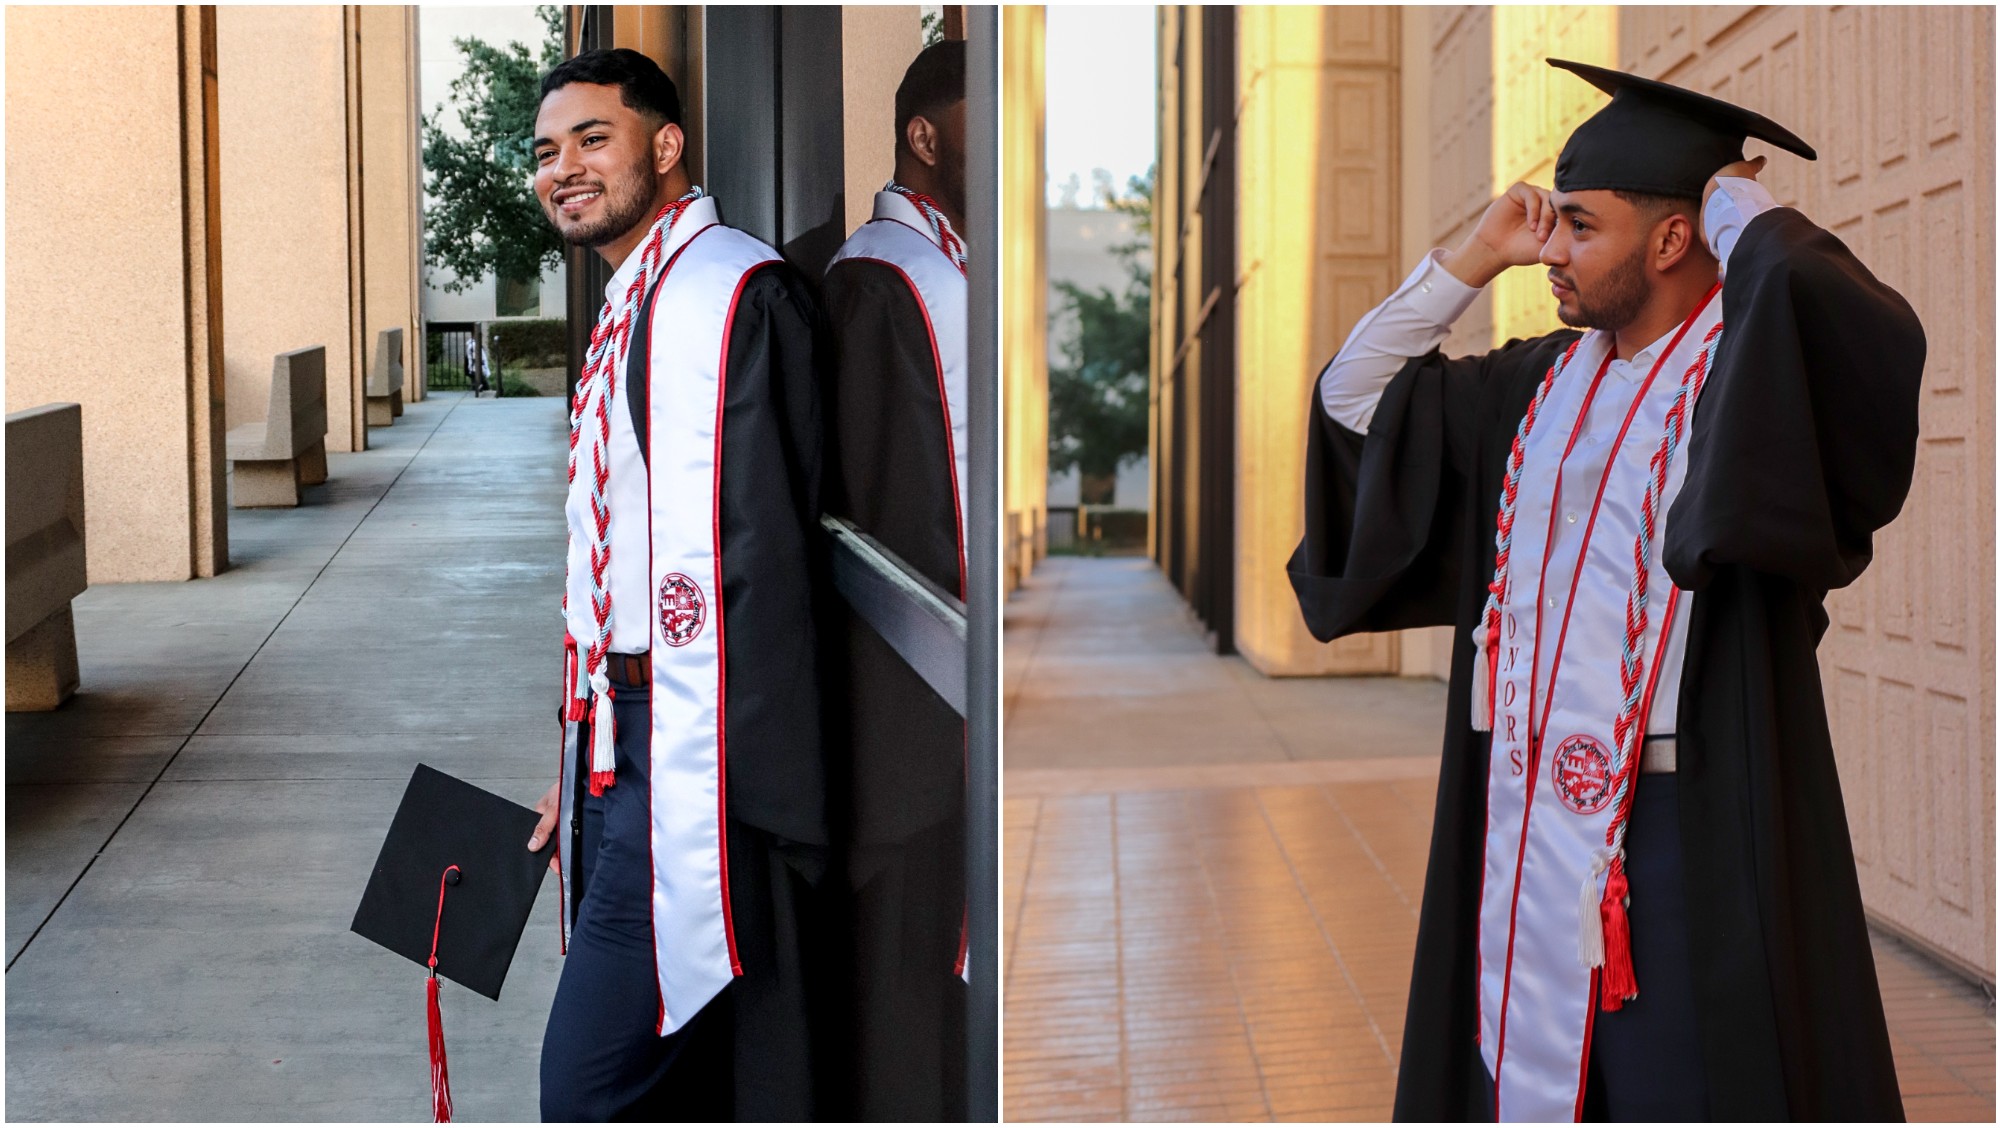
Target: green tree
[
  {"x": 1098, "y": 389},
  {"x": 483, "y": 217}
]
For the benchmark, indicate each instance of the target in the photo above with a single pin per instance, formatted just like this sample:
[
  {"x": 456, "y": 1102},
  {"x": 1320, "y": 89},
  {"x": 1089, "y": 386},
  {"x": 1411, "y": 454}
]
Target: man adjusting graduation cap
[{"x": 1641, "y": 900}]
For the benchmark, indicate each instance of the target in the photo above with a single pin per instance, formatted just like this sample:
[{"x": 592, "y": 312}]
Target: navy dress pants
[
  {"x": 1645, "y": 1059},
  {"x": 744, "y": 1056}
]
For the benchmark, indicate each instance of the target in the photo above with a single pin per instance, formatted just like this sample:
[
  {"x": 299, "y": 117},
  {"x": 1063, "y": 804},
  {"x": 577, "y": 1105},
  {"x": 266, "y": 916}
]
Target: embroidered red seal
[
  {"x": 1581, "y": 772},
  {"x": 682, "y": 609}
]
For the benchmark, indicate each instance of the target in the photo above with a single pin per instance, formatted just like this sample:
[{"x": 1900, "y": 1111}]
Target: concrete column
[
  {"x": 1024, "y": 281},
  {"x": 1316, "y": 250},
  {"x": 113, "y": 296},
  {"x": 290, "y": 216},
  {"x": 391, "y": 185}
]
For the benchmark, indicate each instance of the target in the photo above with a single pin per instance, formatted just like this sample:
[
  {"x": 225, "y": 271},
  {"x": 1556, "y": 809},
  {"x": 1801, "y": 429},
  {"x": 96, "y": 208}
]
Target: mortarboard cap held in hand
[
  {"x": 1658, "y": 138},
  {"x": 452, "y": 890}
]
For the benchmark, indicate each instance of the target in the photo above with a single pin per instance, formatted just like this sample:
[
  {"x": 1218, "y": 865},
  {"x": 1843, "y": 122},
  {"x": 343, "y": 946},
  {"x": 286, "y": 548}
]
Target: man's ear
[
  {"x": 668, "y": 143},
  {"x": 921, "y": 137},
  {"x": 1674, "y": 238}
]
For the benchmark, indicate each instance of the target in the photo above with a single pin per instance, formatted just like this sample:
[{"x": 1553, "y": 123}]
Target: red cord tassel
[
  {"x": 440, "y": 1073},
  {"x": 1618, "y": 986}
]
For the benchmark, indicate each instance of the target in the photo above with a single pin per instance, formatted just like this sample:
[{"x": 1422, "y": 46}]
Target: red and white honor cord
[
  {"x": 1486, "y": 638},
  {"x": 947, "y": 238},
  {"x": 610, "y": 344},
  {"x": 1604, "y": 935}
]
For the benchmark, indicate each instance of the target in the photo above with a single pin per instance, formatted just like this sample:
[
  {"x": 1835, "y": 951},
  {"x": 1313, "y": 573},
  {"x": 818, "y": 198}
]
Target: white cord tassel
[
  {"x": 1590, "y": 925},
  {"x": 1482, "y": 682},
  {"x": 603, "y": 735}
]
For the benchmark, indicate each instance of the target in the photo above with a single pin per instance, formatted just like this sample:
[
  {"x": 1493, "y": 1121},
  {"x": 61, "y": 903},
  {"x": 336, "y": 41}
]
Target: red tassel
[
  {"x": 1618, "y": 985},
  {"x": 601, "y": 780},
  {"x": 440, "y": 1075}
]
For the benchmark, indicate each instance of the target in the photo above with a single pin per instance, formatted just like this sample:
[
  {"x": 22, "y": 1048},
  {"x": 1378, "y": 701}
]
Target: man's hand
[
  {"x": 549, "y": 805},
  {"x": 1748, "y": 170},
  {"x": 1511, "y": 233}
]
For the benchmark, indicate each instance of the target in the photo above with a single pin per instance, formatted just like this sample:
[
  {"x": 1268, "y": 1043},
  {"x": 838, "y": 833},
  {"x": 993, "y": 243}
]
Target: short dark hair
[
  {"x": 1656, "y": 206},
  {"x": 935, "y": 80},
  {"x": 641, "y": 84}
]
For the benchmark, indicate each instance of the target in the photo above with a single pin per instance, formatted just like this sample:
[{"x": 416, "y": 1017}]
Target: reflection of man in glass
[
  {"x": 896, "y": 299},
  {"x": 690, "y": 820}
]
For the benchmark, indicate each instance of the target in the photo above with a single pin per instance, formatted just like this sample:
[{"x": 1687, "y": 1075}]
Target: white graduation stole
[
  {"x": 694, "y": 942},
  {"x": 940, "y": 290},
  {"x": 1550, "y": 802}
]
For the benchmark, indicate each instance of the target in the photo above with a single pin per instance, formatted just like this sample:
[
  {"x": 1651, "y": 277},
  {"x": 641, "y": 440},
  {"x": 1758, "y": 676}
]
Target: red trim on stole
[
  {"x": 1535, "y": 735},
  {"x": 944, "y": 400},
  {"x": 652, "y": 863},
  {"x": 1534, "y": 664},
  {"x": 722, "y": 638}
]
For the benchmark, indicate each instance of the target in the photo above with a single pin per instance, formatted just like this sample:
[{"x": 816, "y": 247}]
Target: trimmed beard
[
  {"x": 628, "y": 201},
  {"x": 1624, "y": 293}
]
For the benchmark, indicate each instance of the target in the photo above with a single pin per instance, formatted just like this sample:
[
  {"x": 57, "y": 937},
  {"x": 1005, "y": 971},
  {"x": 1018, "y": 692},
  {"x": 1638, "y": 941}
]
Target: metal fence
[{"x": 450, "y": 364}]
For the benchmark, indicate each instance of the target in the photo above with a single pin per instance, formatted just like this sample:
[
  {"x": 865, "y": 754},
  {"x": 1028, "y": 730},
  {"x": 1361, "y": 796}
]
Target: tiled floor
[{"x": 1232, "y": 941}]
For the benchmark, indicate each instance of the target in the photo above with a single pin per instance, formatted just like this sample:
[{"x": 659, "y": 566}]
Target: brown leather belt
[{"x": 632, "y": 669}]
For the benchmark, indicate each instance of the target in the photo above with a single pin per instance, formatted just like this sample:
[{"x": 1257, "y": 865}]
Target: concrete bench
[
  {"x": 383, "y": 387},
  {"x": 272, "y": 459},
  {"x": 45, "y": 561}
]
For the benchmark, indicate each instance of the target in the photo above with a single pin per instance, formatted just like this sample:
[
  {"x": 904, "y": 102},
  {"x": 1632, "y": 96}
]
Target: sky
[{"x": 1101, "y": 95}]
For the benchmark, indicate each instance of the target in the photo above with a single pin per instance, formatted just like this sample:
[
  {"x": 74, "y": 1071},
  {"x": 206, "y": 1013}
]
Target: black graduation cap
[
  {"x": 452, "y": 890},
  {"x": 1658, "y": 138},
  {"x": 476, "y": 914}
]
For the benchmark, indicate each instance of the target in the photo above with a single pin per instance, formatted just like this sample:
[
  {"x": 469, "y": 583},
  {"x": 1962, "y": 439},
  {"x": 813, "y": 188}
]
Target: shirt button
[
  {"x": 1552, "y": 603},
  {"x": 1424, "y": 286}
]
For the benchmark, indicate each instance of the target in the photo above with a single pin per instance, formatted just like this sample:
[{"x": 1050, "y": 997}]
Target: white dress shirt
[{"x": 1419, "y": 315}]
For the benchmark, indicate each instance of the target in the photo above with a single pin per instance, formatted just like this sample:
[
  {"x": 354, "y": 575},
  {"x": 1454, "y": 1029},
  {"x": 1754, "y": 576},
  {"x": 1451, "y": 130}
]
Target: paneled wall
[{"x": 1899, "y": 103}]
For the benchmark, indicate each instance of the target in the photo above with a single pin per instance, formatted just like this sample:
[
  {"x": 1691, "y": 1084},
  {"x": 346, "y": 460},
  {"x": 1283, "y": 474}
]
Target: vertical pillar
[
  {"x": 1025, "y": 282},
  {"x": 1318, "y": 250},
  {"x": 290, "y": 217},
  {"x": 138, "y": 267},
  {"x": 392, "y": 185}
]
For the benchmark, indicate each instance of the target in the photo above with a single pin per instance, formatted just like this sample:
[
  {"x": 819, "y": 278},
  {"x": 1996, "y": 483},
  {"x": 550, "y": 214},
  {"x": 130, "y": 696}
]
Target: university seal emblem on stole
[
  {"x": 1581, "y": 772},
  {"x": 682, "y": 609}
]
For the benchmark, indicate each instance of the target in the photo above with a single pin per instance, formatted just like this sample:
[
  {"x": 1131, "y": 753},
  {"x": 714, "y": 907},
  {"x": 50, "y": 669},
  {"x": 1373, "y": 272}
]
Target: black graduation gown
[
  {"x": 773, "y": 579},
  {"x": 1803, "y": 445},
  {"x": 901, "y": 759}
]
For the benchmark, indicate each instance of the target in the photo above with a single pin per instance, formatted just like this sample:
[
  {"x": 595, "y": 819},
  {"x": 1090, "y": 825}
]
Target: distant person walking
[{"x": 475, "y": 373}]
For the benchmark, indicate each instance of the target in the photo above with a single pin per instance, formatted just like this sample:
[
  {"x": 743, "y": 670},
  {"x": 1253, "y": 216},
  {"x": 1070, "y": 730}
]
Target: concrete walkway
[
  {"x": 1211, "y": 878},
  {"x": 187, "y": 839}
]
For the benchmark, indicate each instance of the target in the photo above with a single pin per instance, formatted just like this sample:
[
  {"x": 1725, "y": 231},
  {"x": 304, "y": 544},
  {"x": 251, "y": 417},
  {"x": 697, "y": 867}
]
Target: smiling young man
[
  {"x": 1641, "y": 901},
  {"x": 896, "y": 466},
  {"x": 690, "y": 812}
]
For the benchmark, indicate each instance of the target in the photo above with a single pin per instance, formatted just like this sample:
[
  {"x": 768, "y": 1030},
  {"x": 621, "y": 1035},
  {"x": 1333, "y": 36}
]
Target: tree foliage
[
  {"x": 1098, "y": 389},
  {"x": 482, "y": 217}
]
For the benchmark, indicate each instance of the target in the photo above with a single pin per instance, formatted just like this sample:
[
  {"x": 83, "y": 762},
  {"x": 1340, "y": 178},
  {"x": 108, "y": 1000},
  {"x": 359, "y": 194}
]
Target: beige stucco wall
[
  {"x": 131, "y": 268},
  {"x": 391, "y": 184},
  {"x": 1024, "y": 292},
  {"x": 288, "y": 218},
  {"x": 877, "y": 44},
  {"x": 1899, "y": 102}
]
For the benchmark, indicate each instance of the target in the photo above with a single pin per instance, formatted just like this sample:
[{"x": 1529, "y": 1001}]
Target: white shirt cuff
[
  {"x": 1736, "y": 201},
  {"x": 1435, "y": 294}
]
